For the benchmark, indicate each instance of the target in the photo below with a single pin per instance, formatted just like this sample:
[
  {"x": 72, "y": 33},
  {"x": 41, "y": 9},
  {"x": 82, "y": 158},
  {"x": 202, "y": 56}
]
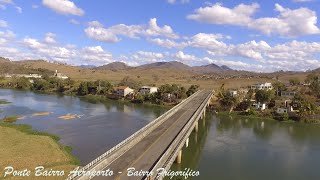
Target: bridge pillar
[
  {"x": 179, "y": 157},
  {"x": 187, "y": 142},
  {"x": 204, "y": 122},
  {"x": 196, "y": 126}
]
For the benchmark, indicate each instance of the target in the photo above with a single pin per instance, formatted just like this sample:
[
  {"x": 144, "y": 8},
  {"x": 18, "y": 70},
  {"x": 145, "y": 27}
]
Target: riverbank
[
  {"x": 253, "y": 116},
  {"x": 24, "y": 148}
]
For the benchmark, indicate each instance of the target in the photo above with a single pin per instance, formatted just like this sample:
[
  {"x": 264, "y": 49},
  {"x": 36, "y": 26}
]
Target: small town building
[
  {"x": 281, "y": 110},
  {"x": 123, "y": 91},
  {"x": 233, "y": 93},
  {"x": 260, "y": 106},
  {"x": 262, "y": 86},
  {"x": 289, "y": 94},
  {"x": 148, "y": 90},
  {"x": 60, "y": 75}
]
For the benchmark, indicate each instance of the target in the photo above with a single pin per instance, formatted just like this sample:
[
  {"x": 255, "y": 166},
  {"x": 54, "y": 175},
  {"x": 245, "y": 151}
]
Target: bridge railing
[
  {"x": 178, "y": 143},
  {"x": 141, "y": 133}
]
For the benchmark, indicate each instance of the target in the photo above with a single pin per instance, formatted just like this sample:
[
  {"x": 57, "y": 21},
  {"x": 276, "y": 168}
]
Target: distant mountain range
[
  {"x": 210, "y": 68},
  {"x": 114, "y": 66}
]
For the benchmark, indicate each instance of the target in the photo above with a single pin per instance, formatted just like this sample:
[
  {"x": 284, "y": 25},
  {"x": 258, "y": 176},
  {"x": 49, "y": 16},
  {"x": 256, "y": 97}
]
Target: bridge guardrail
[
  {"x": 181, "y": 138},
  {"x": 146, "y": 130}
]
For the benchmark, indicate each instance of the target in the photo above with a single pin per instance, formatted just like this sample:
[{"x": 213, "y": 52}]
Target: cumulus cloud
[
  {"x": 34, "y": 6},
  {"x": 73, "y": 21},
  {"x": 49, "y": 38},
  {"x": 64, "y": 7},
  {"x": 181, "y": 1},
  {"x": 302, "y": 0},
  {"x": 31, "y": 48},
  {"x": 218, "y": 14},
  {"x": 19, "y": 9},
  {"x": 7, "y": 1},
  {"x": 2, "y": 7},
  {"x": 3, "y": 24},
  {"x": 97, "y": 31},
  {"x": 289, "y": 22}
]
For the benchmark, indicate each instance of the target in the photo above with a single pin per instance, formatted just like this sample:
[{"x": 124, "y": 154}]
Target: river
[{"x": 225, "y": 148}]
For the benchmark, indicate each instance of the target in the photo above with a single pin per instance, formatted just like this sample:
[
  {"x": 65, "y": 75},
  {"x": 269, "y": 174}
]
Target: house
[
  {"x": 36, "y": 76},
  {"x": 60, "y": 75},
  {"x": 262, "y": 86},
  {"x": 289, "y": 94},
  {"x": 259, "y": 106},
  {"x": 282, "y": 110},
  {"x": 148, "y": 90},
  {"x": 233, "y": 93},
  {"x": 123, "y": 91}
]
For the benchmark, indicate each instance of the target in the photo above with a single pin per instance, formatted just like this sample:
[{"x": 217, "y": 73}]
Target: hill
[
  {"x": 211, "y": 68},
  {"x": 114, "y": 66},
  {"x": 169, "y": 65},
  {"x": 12, "y": 67}
]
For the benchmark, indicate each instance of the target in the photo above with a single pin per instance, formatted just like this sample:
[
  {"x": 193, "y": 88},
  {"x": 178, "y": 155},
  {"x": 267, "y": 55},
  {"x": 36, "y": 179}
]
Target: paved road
[{"x": 145, "y": 153}]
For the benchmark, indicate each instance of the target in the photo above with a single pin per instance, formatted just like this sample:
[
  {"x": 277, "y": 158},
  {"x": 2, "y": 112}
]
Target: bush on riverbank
[
  {"x": 10, "y": 119},
  {"x": 4, "y": 102}
]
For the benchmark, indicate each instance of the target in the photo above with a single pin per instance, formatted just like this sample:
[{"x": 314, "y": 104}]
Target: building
[
  {"x": 262, "y": 86},
  {"x": 60, "y": 75},
  {"x": 233, "y": 93},
  {"x": 282, "y": 110},
  {"x": 289, "y": 94},
  {"x": 148, "y": 90},
  {"x": 123, "y": 91},
  {"x": 259, "y": 106}
]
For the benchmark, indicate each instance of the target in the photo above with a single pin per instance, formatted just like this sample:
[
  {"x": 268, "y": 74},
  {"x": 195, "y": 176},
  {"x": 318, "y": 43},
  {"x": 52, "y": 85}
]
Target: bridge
[{"x": 155, "y": 146}]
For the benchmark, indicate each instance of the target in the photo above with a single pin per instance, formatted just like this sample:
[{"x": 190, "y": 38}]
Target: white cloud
[
  {"x": 34, "y": 6},
  {"x": 3, "y": 24},
  {"x": 181, "y": 1},
  {"x": 73, "y": 21},
  {"x": 6, "y": 36},
  {"x": 302, "y": 0},
  {"x": 7, "y": 1},
  {"x": 218, "y": 14},
  {"x": 63, "y": 7},
  {"x": 19, "y": 9},
  {"x": 49, "y": 38},
  {"x": 2, "y": 7},
  {"x": 185, "y": 58},
  {"x": 144, "y": 57},
  {"x": 97, "y": 31},
  {"x": 95, "y": 55},
  {"x": 167, "y": 43},
  {"x": 289, "y": 22},
  {"x": 155, "y": 30}
]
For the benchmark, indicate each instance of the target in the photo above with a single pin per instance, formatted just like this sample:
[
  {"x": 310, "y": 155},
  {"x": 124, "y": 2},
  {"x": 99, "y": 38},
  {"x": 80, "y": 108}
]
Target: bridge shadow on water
[{"x": 191, "y": 155}]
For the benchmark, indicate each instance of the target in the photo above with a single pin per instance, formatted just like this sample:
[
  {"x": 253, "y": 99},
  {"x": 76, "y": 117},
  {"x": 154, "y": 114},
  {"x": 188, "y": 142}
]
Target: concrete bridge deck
[{"x": 145, "y": 154}]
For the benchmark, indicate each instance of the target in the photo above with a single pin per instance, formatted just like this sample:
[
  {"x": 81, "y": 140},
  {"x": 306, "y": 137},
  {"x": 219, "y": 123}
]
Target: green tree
[
  {"x": 294, "y": 81},
  {"x": 263, "y": 96},
  {"x": 22, "y": 83},
  {"x": 192, "y": 89},
  {"x": 83, "y": 89},
  {"x": 41, "y": 85}
]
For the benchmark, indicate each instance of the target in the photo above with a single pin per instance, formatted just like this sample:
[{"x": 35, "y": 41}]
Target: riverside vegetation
[
  {"x": 302, "y": 106},
  {"x": 100, "y": 89}
]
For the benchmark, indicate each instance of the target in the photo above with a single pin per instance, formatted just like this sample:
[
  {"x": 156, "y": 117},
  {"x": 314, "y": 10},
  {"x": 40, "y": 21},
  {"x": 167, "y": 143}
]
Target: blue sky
[{"x": 250, "y": 35}]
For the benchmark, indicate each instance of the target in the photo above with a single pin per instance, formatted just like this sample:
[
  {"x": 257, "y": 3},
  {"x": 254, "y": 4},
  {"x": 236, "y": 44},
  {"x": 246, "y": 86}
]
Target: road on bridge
[{"x": 145, "y": 154}]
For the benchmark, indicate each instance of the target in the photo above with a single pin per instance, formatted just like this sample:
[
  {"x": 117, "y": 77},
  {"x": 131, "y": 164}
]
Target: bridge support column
[
  {"x": 179, "y": 157},
  {"x": 187, "y": 142},
  {"x": 196, "y": 126}
]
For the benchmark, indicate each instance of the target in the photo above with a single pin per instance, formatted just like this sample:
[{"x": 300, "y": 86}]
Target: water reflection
[
  {"x": 248, "y": 148},
  {"x": 102, "y": 126}
]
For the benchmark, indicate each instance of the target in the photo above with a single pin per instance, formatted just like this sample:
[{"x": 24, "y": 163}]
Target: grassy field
[{"x": 23, "y": 148}]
